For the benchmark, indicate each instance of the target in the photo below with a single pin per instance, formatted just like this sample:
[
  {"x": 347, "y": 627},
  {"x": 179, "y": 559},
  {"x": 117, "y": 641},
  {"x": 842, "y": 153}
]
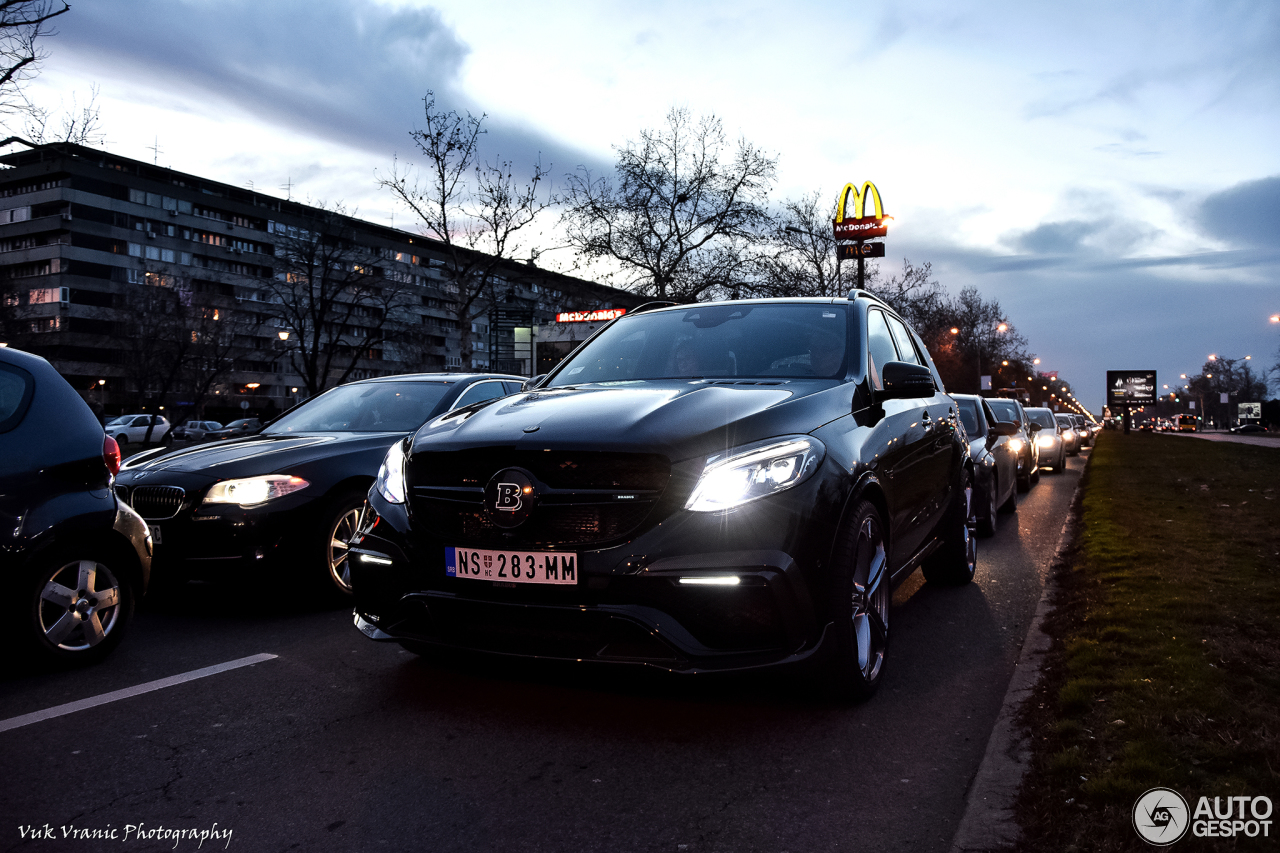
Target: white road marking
[{"x": 137, "y": 690}]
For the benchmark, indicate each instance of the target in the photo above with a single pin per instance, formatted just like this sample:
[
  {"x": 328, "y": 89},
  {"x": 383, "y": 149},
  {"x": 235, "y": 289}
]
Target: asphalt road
[{"x": 341, "y": 744}]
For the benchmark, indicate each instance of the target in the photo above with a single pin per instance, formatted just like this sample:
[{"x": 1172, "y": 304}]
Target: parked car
[
  {"x": 195, "y": 430},
  {"x": 289, "y": 495},
  {"x": 1245, "y": 429},
  {"x": 995, "y": 462},
  {"x": 1011, "y": 411},
  {"x": 243, "y": 426},
  {"x": 1070, "y": 438},
  {"x": 721, "y": 486},
  {"x": 75, "y": 561},
  {"x": 1049, "y": 442},
  {"x": 133, "y": 428}
]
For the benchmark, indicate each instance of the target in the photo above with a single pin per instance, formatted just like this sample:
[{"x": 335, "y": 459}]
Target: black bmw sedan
[
  {"x": 73, "y": 559},
  {"x": 291, "y": 494},
  {"x": 699, "y": 488}
]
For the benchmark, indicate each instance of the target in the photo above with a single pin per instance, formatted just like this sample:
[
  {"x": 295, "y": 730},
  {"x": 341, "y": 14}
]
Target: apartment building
[{"x": 148, "y": 287}]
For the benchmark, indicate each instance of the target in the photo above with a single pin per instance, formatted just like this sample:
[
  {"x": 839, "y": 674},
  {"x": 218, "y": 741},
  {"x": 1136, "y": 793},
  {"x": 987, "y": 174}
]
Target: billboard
[
  {"x": 1131, "y": 387},
  {"x": 1250, "y": 411}
]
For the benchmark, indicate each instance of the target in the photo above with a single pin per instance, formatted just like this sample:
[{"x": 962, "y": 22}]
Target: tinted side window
[
  {"x": 879, "y": 343},
  {"x": 905, "y": 348},
  {"x": 969, "y": 417},
  {"x": 480, "y": 391},
  {"x": 16, "y": 387}
]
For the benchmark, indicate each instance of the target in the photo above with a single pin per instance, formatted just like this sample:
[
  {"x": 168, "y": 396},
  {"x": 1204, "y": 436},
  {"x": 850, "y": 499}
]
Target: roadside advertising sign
[
  {"x": 1252, "y": 411},
  {"x": 1131, "y": 387},
  {"x": 850, "y": 252},
  {"x": 859, "y": 226},
  {"x": 589, "y": 316}
]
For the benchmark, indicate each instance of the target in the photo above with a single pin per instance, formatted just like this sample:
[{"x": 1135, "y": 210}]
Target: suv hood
[{"x": 677, "y": 418}]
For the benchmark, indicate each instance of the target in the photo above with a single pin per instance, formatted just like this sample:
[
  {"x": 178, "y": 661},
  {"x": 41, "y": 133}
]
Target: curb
[{"x": 988, "y": 822}]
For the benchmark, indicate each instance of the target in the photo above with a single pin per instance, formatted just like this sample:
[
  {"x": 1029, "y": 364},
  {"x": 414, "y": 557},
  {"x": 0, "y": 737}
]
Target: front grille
[
  {"x": 585, "y": 498},
  {"x": 157, "y": 503}
]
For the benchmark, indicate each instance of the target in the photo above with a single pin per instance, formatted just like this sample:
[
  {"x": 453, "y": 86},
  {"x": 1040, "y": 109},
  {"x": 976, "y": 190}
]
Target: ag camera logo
[{"x": 1160, "y": 817}]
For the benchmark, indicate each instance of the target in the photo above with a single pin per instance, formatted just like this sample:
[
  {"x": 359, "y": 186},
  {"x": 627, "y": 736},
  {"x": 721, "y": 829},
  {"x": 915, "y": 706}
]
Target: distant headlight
[
  {"x": 390, "y": 482},
  {"x": 756, "y": 471},
  {"x": 1016, "y": 445},
  {"x": 1044, "y": 440},
  {"x": 252, "y": 491},
  {"x": 1068, "y": 433}
]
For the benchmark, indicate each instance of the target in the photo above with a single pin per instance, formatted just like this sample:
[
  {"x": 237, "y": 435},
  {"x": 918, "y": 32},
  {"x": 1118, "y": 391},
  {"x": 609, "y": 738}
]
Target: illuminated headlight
[
  {"x": 1015, "y": 444},
  {"x": 1066, "y": 433},
  {"x": 390, "y": 482},
  {"x": 252, "y": 491},
  {"x": 1044, "y": 441},
  {"x": 755, "y": 471}
]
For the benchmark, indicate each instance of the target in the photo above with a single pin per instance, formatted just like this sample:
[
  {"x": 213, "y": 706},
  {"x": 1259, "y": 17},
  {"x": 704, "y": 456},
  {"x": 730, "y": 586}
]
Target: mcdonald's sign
[{"x": 860, "y": 226}]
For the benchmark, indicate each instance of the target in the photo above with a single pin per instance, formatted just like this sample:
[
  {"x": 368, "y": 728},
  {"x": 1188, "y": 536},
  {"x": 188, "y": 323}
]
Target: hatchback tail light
[{"x": 111, "y": 454}]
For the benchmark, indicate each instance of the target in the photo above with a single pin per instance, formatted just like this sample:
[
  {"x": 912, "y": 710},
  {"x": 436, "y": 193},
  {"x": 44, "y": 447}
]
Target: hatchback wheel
[
  {"x": 860, "y": 607},
  {"x": 987, "y": 525},
  {"x": 78, "y": 608},
  {"x": 956, "y": 560}
]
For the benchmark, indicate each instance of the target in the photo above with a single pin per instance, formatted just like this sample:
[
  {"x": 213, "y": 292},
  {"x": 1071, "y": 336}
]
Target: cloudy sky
[{"x": 1110, "y": 172}]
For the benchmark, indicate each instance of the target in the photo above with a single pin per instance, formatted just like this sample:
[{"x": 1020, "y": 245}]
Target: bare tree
[
  {"x": 477, "y": 212},
  {"x": 684, "y": 214},
  {"x": 799, "y": 259},
  {"x": 332, "y": 299},
  {"x": 22, "y": 25},
  {"x": 79, "y": 125}
]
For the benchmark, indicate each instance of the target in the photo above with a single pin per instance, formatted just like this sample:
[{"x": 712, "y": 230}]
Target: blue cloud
[{"x": 1247, "y": 214}]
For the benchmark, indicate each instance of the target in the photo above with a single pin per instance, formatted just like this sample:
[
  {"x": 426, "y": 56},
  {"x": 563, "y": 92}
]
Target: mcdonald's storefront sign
[
  {"x": 589, "y": 316},
  {"x": 850, "y": 252},
  {"x": 859, "y": 226}
]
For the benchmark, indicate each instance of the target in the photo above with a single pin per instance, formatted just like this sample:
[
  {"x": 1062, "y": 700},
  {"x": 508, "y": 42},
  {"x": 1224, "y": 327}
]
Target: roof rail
[{"x": 653, "y": 306}]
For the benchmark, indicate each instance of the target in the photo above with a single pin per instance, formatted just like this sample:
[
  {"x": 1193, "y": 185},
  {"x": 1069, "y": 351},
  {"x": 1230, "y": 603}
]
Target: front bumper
[{"x": 629, "y": 604}]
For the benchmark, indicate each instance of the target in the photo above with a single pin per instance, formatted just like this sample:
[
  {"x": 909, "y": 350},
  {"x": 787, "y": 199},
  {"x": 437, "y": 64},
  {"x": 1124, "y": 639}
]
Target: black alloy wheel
[
  {"x": 860, "y": 598},
  {"x": 956, "y": 560},
  {"x": 77, "y": 608},
  {"x": 341, "y": 521}
]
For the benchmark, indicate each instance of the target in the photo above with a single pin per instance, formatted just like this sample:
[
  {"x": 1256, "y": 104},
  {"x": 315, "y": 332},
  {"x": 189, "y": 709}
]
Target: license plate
[
  {"x": 155, "y": 533},
  {"x": 553, "y": 567}
]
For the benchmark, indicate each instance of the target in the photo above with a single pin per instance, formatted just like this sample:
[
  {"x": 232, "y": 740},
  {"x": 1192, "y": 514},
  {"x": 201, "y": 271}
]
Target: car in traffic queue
[
  {"x": 1247, "y": 429},
  {"x": 128, "y": 429},
  {"x": 1070, "y": 438},
  {"x": 195, "y": 430},
  {"x": 234, "y": 429},
  {"x": 1011, "y": 411},
  {"x": 995, "y": 461},
  {"x": 287, "y": 497},
  {"x": 1086, "y": 434},
  {"x": 75, "y": 561},
  {"x": 697, "y": 488},
  {"x": 1049, "y": 441}
]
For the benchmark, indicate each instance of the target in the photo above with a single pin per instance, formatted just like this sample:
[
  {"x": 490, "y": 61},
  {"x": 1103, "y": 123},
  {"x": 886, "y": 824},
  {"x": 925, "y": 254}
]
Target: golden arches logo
[{"x": 859, "y": 202}]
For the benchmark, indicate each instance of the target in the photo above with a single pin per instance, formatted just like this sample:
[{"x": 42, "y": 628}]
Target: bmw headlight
[
  {"x": 390, "y": 482},
  {"x": 755, "y": 471},
  {"x": 251, "y": 491}
]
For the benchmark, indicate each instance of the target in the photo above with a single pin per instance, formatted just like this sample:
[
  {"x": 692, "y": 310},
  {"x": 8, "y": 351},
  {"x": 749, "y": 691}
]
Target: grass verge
[{"x": 1165, "y": 664}]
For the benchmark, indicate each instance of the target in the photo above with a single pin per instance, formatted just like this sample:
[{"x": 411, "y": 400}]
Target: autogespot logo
[{"x": 1160, "y": 817}]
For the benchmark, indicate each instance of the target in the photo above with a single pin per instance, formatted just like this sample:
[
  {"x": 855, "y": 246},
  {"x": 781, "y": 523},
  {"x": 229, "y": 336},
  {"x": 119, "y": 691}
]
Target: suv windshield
[
  {"x": 366, "y": 407},
  {"x": 785, "y": 340}
]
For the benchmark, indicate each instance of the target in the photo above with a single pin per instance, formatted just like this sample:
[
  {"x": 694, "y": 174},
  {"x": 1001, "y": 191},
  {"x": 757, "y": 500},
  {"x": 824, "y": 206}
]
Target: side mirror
[
  {"x": 1004, "y": 428},
  {"x": 530, "y": 384},
  {"x": 1036, "y": 427},
  {"x": 905, "y": 381}
]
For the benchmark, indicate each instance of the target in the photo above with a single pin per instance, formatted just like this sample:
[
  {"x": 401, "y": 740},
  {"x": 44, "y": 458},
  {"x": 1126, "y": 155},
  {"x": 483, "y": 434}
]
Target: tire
[
  {"x": 956, "y": 560},
  {"x": 860, "y": 596},
  {"x": 987, "y": 525},
  {"x": 1011, "y": 504},
  {"x": 328, "y": 563},
  {"x": 77, "y": 605},
  {"x": 1062, "y": 463},
  {"x": 122, "y": 440}
]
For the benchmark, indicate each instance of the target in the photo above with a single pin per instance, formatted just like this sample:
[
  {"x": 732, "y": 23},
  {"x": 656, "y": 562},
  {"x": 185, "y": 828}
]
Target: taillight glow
[{"x": 111, "y": 454}]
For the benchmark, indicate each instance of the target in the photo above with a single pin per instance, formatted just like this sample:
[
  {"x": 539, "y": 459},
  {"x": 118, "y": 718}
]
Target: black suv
[
  {"x": 718, "y": 486},
  {"x": 74, "y": 560}
]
